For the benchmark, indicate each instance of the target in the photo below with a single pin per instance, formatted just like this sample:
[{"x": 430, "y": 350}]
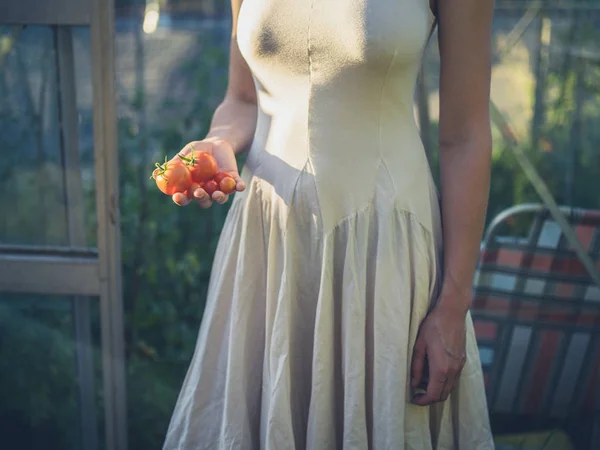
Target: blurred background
[{"x": 97, "y": 329}]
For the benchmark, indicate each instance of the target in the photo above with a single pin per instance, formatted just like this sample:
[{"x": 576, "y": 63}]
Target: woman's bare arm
[
  {"x": 465, "y": 154},
  {"x": 235, "y": 119},
  {"x": 465, "y": 140},
  {"x": 233, "y": 123}
]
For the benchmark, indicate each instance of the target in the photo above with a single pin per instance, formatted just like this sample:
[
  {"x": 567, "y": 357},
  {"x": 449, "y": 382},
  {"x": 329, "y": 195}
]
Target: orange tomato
[
  {"x": 172, "y": 176},
  {"x": 227, "y": 185},
  {"x": 202, "y": 165}
]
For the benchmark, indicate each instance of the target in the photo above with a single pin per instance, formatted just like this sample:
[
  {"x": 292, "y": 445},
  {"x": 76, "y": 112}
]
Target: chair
[{"x": 536, "y": 313}]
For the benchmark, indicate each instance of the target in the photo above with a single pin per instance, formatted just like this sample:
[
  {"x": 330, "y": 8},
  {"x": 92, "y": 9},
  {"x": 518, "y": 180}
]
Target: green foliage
[
  {"x": 37, "y": 381},
  {"x": 167, "y": 250}
]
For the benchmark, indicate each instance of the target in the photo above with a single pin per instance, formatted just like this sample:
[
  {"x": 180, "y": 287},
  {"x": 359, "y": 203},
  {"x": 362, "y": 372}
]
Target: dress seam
[
  {"x": 308, "y": 143},
  {"x": 428, "y": 235},
  {"x": 379, "y": 131},
  {"x": 260, "y": 193},
  {"x": 289, "y": 212},
  {"x": 370, "y": 205},
  {"x": 308, "y": 161}
]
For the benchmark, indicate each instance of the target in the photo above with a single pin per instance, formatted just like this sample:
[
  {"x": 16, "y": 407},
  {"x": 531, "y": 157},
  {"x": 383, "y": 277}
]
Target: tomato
[
  {"x": 192, "y": 189},
  {"x": 227, "y": 185},
  {"x": 226, "y": 182},
  {"x": 219, "y": 176},
  {"x": 172, "y": 176},
  {"x": 211, "y": 187},
  {"x": 202, "y": 165}
]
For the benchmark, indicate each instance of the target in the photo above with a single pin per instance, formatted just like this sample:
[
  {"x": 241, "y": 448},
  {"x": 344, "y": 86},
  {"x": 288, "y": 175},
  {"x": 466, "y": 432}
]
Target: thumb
[
  {"x": 418, "y": 362},
  {"x": 240, "y": 184}
]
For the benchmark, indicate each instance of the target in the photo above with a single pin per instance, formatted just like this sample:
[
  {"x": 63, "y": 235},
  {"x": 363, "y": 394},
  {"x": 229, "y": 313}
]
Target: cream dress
[{"x": 330, "y": 259}]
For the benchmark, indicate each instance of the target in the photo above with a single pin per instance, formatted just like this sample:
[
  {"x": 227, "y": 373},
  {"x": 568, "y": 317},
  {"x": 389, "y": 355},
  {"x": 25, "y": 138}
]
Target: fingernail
[{"x": 199, "y": 194}]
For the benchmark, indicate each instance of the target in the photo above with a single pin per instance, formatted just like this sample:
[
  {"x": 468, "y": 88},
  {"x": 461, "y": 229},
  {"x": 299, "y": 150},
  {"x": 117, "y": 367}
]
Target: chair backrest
[{"x": 536, "y": 313}]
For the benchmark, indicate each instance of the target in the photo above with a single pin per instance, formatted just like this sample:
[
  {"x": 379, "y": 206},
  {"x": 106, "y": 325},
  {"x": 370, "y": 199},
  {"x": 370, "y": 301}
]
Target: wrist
[
  {"x": 219, "y": 140},
  {"x": 453, "y": 305},
  {"x": 216, "y": 138},
  {"x": 454, "y": 299}
]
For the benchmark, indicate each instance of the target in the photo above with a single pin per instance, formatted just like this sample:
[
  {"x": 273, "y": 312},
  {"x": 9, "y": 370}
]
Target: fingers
[
  {"x": 418, "y": 362},
  {"x": 200, "y": 195},
  {"x": 435, "y": 387},
  {"x": 443, "y": 378},
  {"x": 240, "y": 184},
  {"x": 220, "y": 197},
  {"x": 180, "y": 199},
  {"x": 448, "y": 386},
  {"x": 453, "y": 376},
  {"x": 202, "y": 198},
  {"x": 204, "y": 201}
]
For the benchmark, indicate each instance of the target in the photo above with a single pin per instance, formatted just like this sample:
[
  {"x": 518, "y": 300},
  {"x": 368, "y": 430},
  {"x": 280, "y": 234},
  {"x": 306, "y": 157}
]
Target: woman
[{"x": 333, "y": 320}]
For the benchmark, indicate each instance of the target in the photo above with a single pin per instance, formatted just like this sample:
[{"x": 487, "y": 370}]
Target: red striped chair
[{"x": 536, "y": 313}]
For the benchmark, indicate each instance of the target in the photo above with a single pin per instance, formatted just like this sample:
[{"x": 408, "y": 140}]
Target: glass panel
[
  {"x": 40, "y": 385},
  {"x": 544, "y": 79},
  {"x": 46, "y": 127}
]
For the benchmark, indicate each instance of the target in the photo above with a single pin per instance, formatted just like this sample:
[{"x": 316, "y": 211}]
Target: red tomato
[
  {"x": 172, "y": 176},
  {"x": 192, "y": 189},
  {"x": 203, "y": 166},
  {"x": 227, "y": 185},
  {"x": 210, "y": 187}
]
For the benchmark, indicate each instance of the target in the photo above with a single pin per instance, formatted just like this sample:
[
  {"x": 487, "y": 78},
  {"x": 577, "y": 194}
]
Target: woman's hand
[
  {"x": 225, "y": 156},
  {"x": 440, "y": 351}
]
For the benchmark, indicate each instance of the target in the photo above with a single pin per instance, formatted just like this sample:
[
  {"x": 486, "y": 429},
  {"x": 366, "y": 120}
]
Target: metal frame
[
  {"x": 82, "y": 306},
  {"x": 109, "y": 236},
  {"x": 77, "y": 271},
  {"x": 549, "y": 5},
  {"x": 551, "y": 408},
  {"x": 48, "y": 274}
]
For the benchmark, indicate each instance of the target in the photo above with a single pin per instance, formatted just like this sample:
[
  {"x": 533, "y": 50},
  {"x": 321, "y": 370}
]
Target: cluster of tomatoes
[{"x": 186, "y": 174}]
